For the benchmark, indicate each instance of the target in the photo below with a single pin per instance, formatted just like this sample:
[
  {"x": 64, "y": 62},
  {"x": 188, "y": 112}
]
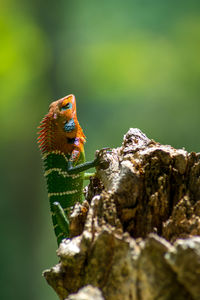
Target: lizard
[{"x": 61, "y": 141}]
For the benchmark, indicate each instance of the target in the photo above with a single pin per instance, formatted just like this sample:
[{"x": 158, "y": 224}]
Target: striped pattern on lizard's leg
[{"x": 62, "y": 188}]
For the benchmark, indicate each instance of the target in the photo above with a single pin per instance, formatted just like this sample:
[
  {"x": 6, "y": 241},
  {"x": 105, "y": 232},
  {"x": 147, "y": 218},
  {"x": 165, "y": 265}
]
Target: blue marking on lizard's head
[
  {"x": 67, "y": 106},
  {"x": 70, "y": 125}
]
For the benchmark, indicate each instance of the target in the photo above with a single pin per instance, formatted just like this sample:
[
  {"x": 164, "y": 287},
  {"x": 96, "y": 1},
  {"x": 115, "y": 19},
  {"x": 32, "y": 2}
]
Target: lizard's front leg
[
  {"x": 81, "y": 167},
  {"x": 84, "y": 166}
]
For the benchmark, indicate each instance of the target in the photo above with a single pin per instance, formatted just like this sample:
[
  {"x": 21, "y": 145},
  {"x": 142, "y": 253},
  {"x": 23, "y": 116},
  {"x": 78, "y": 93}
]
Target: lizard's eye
[{"x": 66, "y": 106}]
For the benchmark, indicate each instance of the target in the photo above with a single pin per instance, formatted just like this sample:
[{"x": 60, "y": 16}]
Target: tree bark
[{"x": 136, "y": 236}]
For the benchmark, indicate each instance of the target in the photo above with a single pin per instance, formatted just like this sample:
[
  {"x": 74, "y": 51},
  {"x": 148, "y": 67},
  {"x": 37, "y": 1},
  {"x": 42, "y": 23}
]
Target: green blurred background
[{"x": 129, "y": 63}]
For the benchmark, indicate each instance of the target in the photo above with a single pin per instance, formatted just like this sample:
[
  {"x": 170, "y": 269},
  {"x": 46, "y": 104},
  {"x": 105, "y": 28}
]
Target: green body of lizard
[{"x": 61, "y": 141}]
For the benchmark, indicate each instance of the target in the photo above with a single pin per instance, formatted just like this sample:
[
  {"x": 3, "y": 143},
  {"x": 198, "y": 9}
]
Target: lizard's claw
[{"x": 103, "y": 164}]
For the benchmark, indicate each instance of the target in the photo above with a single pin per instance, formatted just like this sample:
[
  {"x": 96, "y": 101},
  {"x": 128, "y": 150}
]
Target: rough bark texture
[
  {"x": 87, "y": 293},
  {"x": 136, "y": 234}
]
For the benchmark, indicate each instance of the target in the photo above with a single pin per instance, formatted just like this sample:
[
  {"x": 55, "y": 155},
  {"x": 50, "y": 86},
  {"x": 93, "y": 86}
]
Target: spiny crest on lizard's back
[{"x": 60, "y": 129}]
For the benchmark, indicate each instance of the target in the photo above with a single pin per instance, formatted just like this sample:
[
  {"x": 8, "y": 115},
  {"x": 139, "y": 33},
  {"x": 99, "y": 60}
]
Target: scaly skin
[{"x": 61, "y": 141}]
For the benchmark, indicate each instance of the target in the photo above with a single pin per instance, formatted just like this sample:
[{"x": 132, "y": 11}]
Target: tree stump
[{"x": 136, "y": 236}]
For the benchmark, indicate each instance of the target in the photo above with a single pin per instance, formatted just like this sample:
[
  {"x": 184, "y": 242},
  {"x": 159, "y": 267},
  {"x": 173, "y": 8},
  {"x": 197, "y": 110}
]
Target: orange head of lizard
[{"x": 60, "y": 126}]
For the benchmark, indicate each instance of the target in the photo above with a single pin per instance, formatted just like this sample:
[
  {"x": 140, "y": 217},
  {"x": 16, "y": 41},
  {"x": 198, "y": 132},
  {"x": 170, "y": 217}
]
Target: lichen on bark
[{"x": 132, "y": 236}]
